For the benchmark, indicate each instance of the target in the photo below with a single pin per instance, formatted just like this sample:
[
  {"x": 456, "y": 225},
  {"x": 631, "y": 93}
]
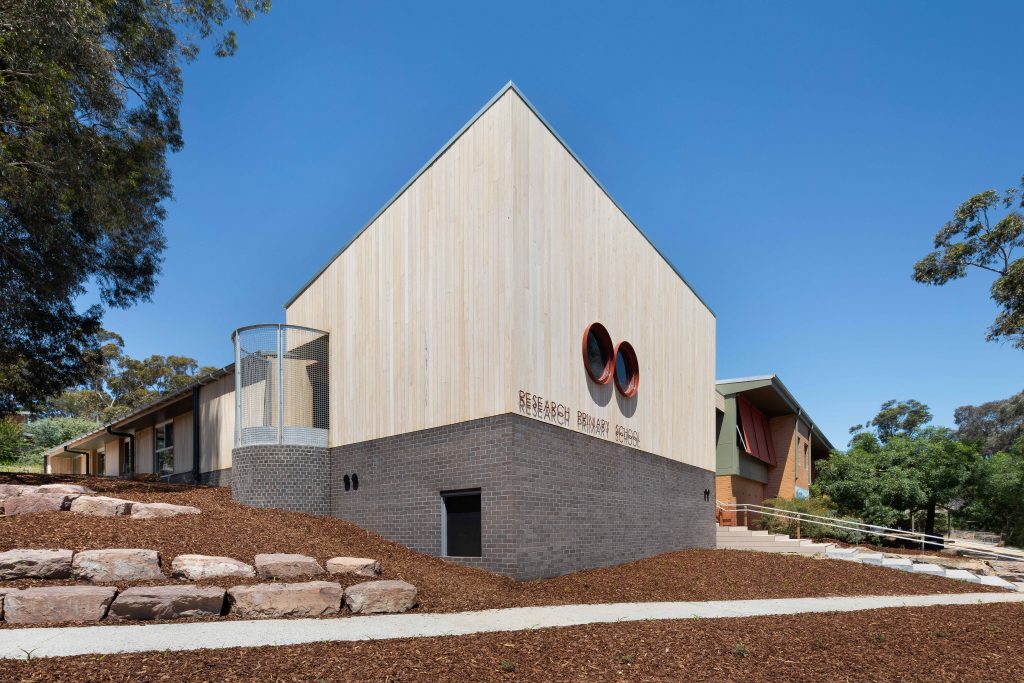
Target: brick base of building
[
  {"x": 295, "y": 478},
  {"x": 552, "y": 500},
  {"x": 215, "y": 478}
]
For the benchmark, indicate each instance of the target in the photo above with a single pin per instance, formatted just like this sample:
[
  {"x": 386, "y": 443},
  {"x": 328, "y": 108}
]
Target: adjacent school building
[
  {"x": 499, "y": 368},
  {"x": 767, "y": 443}
]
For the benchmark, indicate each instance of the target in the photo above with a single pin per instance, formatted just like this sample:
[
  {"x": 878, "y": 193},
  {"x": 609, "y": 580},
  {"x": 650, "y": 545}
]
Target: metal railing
[{"x": 918, "y": 537}]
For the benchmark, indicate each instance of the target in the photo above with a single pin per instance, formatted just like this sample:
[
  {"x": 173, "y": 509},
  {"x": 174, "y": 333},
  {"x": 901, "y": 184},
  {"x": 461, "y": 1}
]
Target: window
[
  {"x": 460, "y": 524},
  {"x": 164, "y": 448},
  {"x": 598, "y": 353},
  {"x": 101, "y": 463},
  {"x": 627, "y": 369}
]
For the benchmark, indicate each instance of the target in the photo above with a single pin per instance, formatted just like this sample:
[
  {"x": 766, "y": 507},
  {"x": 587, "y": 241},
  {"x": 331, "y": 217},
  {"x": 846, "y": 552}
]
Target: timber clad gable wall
[{"x": 478, "y": 282}]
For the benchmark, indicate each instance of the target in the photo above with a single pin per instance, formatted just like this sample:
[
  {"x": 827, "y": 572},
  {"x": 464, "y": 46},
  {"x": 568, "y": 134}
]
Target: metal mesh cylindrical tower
[{"x": 281, "y": 385}]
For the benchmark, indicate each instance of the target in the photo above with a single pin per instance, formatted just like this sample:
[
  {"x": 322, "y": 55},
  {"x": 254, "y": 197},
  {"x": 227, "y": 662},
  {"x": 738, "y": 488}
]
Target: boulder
[
  {"x": 377, "y": 597},
  {"x": 38, "y": 502},
  {"x": 158, "y": 510},
  {"x": 283, "y": 565},
  {"x": 272, "y": 600},
  {"x": 57, "y": 604},
  {"x": 359, "y": 566},
  {"x": 16, "y": 489},
  {"x": 35, "y": 564},
  {"x": 196, "y": 567},
  {"x": 117, "y": 564},
  {"x": 168, "y": 602},
  {"x": 101, "y": 506},
  {"x": 64, "y": 488}
]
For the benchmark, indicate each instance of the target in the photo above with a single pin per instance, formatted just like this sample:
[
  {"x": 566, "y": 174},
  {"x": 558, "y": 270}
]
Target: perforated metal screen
[{"x": 281, "y": 385}]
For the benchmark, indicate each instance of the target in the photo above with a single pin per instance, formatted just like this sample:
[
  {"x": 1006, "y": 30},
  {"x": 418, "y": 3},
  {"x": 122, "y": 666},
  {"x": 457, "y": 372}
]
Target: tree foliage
[
  {"x": 905, "y": 467},
  {"x": 998, "y": 503},
  {"x": 979, "y": 237},
  {"x": 12, "y": 440},
  {"x": 42, "y": 435},
  {"x": 995, "y": 425},
  {"x": 122, "y": 383},
  {"x": 897, "y": 418},
  {"x": 90, "y": 92}
]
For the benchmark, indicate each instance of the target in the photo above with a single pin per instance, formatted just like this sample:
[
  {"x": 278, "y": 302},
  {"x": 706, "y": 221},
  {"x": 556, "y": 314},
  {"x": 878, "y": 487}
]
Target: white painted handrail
[{"x": 870, "y": 529}]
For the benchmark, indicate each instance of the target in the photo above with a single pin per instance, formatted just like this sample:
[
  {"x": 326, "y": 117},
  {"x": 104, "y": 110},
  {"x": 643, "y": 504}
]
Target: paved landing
[{"x": 79, "y": 640}]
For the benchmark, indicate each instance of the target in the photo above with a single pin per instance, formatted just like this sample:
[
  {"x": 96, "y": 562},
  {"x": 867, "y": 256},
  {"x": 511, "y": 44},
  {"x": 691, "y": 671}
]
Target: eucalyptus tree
[{"x": 90, "y": 92}]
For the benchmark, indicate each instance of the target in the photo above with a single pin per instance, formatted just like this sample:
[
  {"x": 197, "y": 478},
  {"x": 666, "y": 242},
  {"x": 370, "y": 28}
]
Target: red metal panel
[{"x": 756, "y": 431}]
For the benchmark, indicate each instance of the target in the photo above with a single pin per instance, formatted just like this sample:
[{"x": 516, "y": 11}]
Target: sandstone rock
[
  {"x": 168, "y": 602},
  {"x": 283, "y": 565},
  {"x": 59, "y": 603},
  {"x": 271, "y": 600},
  {"x": 360, "y": 566},
  {"x": 376, "y": 597},
  {"x": 35, "y": 564},
  {"x": 158, "y": 510},
  {"x": 64, "y": 488},
  {"x": 117, "y": 564},
  {"x": 16, "y": 489},
  {"x": 196, "y": 567},
  {"x": 38, "y": 502},
  {"x": 101, "y": 506}
]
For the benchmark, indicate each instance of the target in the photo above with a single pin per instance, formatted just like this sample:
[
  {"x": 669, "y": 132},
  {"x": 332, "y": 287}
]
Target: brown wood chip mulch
[
  {"x": 227, "y": 528},
  {"x": 935, "y": 644}
]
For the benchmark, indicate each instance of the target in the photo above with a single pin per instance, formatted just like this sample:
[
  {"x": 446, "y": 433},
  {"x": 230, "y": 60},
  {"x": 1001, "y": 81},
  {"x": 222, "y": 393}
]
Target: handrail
[
  {"x": 916, "y": 534},
  {"x": 868, "y": 529}
]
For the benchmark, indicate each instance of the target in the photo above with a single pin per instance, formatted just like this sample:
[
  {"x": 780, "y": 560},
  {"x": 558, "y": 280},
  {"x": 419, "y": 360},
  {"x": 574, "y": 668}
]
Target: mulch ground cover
[
  {"x": 227, "y": 528},
  {"x": 938, "y": 644}
]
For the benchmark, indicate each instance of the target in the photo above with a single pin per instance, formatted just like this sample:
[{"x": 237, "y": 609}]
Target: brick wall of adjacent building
[
  {"x": 295, "y": 478},
  {"x": 782, "y": 477},
  {"x": 553, "y": 500}
]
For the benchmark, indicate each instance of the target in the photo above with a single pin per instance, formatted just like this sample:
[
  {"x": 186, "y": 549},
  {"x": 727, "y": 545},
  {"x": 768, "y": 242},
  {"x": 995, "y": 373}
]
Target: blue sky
[{"x": 792, "y": 159}]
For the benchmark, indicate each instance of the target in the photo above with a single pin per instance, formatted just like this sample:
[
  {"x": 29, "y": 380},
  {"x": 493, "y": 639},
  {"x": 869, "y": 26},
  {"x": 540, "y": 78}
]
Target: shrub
[{"x": 808, "y": 529}]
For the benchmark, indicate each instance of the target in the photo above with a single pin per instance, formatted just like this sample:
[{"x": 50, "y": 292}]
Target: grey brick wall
[
  {"x": 295, "y": 478},
  {"x": 553, "y": 500},
  {"x": 214, "y": 478}
]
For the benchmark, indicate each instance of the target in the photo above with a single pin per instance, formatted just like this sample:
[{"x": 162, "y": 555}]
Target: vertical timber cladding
[
  {"x": 578, "y": 259},
  {"x": 476, "y": 283}
]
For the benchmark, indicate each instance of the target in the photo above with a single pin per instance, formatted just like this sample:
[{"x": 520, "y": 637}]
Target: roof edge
[
  {"x": 783, "y": 390},
  {"x": 483, "y": 110},
  {"x": 169, "y": 398}
]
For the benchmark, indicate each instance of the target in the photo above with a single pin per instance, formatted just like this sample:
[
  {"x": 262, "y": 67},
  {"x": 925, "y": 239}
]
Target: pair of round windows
[{"x": 604, "y": 361}]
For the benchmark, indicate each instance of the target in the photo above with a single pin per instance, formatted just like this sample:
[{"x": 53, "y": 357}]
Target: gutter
[
  {"x": 72, "y": 450},
  {"x": 131, "y": 448}
]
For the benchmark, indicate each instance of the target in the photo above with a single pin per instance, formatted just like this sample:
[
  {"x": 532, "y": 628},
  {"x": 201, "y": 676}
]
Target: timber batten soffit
[{"x": 510, "y": 86}]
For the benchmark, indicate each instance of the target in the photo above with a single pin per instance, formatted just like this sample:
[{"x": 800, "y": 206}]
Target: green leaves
[
  {"x": 977, "y": 238},
  {"x": 90, "y": 92}
]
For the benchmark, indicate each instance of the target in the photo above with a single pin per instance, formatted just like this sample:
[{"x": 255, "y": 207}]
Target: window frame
[
  {"x": 160, "y": 453},
  {"x": 459, "y": 493}
]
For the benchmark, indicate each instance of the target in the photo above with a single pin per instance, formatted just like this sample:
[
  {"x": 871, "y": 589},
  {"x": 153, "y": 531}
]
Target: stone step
[
  {"x": 962, "y": 575},
  {"x": 898, "y": 563},
  {"x": 927, "y": 568},
  {"x": 996, "y": 581}
]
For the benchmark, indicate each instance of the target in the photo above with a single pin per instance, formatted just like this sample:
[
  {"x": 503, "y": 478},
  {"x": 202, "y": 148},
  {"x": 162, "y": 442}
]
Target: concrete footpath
[{"x": 15, "y": 643}]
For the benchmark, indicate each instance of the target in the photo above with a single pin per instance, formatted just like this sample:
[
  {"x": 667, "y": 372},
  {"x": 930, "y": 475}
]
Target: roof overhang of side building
[
  {"x": 770, "y": 396},
  {"x": 155, "y": 411}
]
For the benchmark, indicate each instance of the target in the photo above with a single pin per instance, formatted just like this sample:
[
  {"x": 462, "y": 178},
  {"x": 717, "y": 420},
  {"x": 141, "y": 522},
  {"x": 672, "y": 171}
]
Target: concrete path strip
[{"x": 15, "y": 643}]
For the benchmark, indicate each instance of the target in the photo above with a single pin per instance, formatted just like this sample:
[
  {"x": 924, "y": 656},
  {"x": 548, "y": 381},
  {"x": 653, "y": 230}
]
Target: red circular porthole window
[
  {"x": 627, "y": 369},
  {"x": 598, "y": 353}
]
